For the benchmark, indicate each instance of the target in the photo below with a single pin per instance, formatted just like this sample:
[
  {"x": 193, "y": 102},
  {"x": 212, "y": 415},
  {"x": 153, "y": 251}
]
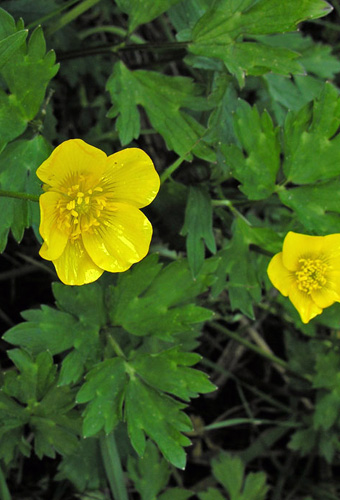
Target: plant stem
[
  {"x": 113, "y": 467},
  {"x": 20, "y": 196},
  {"x": 52, "y": 14},
  {"x": 4, "y": 491},
  {"x": 258, "y": 350},
  {"x": 71, "y": 15},
  {"x": 121, "y": 47}
]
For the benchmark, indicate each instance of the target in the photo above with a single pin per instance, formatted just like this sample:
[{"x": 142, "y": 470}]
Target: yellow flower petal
[
  {"x": 120, "y": 242},
  {"x": 72, "y": 158},
  {"x": 332, "y": 249},
  {"x": 75, "y": 267},
  {"x": 55, "y": 237},
  {"x": 280, "y": 277},
  {"x": 132, "y": 177},
  {"x": 296, "y": 246},
  {"x": 304, "y": 304},
  {"x": 325, "y": 297}
]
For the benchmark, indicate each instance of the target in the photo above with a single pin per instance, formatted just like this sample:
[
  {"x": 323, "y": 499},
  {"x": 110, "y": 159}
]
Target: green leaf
[
  {"x": 18, "y": 163},
  {"x": 143, "y": 12},
  {"x": 28, "y": 73},
  {"x": 257, "y": 162},
  {"x": 176, "y": 494},
  {"x": 149, "y": 474},
  {"x": 326, "y": 411},
  {"x": 316, "y": 206},
  {"x": 83, "y": 467},
  {"x": 198, "y": 228},
  {"x": 159, "y": 417},
  {"x": 86, "y": 302},
  {"x": 229, "y": 471},
  {"x": 163, "y": 98},
  {"x": 48, "y": 408},
  {"x": 211, "y": 494},
  {"x": 240, "y": 264},
  {"x": 148, "y": 300},
  {"x": 312, "y": 152},
  {"x": 10, "y": 44},
  {"x": 45, "y": 329},
  {"x": 104, "y": 387},
  {"x": 217, "y": 34},
  {"x": 167, "y": 371}
]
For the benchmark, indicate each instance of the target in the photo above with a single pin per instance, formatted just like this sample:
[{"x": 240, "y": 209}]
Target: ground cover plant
[{"x": 170, "y": 250}]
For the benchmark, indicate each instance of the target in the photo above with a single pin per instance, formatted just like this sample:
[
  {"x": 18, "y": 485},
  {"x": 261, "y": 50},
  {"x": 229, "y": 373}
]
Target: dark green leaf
[
  {"x": 312, "y": 152},
  {"x": 141, "y": 13},
  {"x": 159, "y": 417},
  {"x": 163, "y": 98},
  {"x": 198, "y": 228},
  {"x": 18, "y": 163},
  {"x": 258, "y": 162}
]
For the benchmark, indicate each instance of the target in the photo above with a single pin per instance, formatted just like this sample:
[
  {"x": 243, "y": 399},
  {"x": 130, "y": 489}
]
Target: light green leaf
[
  {"x": 149, "y": 300},
  {"x": 141, "y": 12},
  {"x": 312, "y": 152},
  {"x": 159, "y": 417},
  {"x": 198, "y": 228},
  {"x": 10, "y": 44},
  {"x": 257, "y": 161},
  {"x": 104, "y": 388},
  {"x": 211, "y": 494},
  {"x": 45, "y": 329},
  {"x": 168, "y": 371},
  {"x": 220, "y": 31},
  {"x": 316, "y": 206},
  {"x": 18, "y": 163},
  {"x": 163, "y": 98},
  {"x": 176, "y": 494},
  {"x": 326, "y": 411}
]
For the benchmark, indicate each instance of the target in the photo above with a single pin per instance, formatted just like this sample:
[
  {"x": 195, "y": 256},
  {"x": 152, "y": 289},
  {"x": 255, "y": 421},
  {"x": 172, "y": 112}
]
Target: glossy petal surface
[
  {"x": 308, "y": 272},
  {"x": 133, "y": 177},
  {"x": 75, "y": 267},
  {"x": 90, "y": 220},
  {"x": 124, "y": 240}
]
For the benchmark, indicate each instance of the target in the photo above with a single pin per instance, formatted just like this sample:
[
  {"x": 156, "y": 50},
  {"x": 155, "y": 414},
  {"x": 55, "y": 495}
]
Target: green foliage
[
  {"x": 32, "y": 397},
  {"x": 20, "y": 176},
  {"x": 25, "y": 74},
  {"x": 220, "y": 31},
  {"x": 143, "y": 12},
  {"x": 162, "y": 97},
  {"x": 198, "y": 228},
  {"x": 230, "y": 473},
  {"x": 257, "y": 163},
  {"x": 240, "y": 114}
]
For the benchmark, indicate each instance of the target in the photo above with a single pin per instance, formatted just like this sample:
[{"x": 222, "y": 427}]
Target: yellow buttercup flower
[
  {"x": 90, "y": 217},
  {"x": 308, "y": 272}
]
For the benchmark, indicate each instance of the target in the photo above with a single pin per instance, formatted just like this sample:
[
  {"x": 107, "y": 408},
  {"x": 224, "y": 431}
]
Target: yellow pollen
[
  {"x": 311, "y": 275},
  {"x": 80, "y": 209}
]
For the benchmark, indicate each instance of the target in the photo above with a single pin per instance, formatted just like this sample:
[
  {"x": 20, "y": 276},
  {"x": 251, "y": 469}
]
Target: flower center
[
  {"x": 80, "y": 208},
  {"x": 311, "y": 275}
]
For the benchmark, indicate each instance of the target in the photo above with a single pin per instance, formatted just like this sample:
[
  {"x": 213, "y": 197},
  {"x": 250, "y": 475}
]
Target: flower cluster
[
  {"x": 308, "y": 272},
  {"x": 90, "y": 217}
]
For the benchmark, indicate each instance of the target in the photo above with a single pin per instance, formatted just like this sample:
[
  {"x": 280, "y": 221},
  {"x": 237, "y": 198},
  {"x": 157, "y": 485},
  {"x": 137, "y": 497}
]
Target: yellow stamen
[{"x": 311, "y": 275}]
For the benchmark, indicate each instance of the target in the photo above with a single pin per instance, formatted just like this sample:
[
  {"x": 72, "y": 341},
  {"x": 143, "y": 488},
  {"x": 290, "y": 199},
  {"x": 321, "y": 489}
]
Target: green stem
[
  {"x": 171, "y": 169},
  {"x": 52, "y": 14},
  {"x": 254, "y": 348},
  {"x": 20, "y": 196},
  {"x": 113, "y": 467},
  {"x": 239, "y": 421},
  {"x": 4, "y": 491},
  {"x": 228, "y": 204},
  {"x": 121, "y": 47},
  {"x": 71, "y": 15}
]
